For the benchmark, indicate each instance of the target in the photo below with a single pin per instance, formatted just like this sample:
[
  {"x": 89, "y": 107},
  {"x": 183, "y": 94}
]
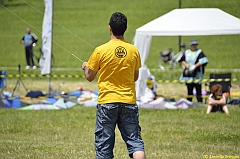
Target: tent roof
[
  {"x": 192, "y": 21},
  {"x": 181, "y": 22}
]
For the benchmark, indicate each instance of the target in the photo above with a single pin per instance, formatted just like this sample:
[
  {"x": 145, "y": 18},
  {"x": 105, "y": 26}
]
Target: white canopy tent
[{"x": 181, "y": 22}]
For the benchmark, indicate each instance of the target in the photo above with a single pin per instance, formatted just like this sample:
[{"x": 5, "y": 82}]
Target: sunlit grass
[{"x": 70, "y": 133}]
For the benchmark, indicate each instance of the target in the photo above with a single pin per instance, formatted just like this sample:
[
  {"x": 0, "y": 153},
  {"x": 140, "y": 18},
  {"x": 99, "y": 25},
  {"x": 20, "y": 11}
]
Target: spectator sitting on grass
[{"x": 217, "y": 101}]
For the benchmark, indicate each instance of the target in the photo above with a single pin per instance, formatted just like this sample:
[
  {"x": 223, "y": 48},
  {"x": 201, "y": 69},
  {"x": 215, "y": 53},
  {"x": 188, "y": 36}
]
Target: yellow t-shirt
[{"x": 116, "y": 61}]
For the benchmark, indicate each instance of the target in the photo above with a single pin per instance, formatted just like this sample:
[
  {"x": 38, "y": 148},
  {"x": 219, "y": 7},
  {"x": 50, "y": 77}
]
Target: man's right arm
[
  {"x": 183, "y": 61},
  {"x": 185, "y": 64},
  {"x": 22, "y": 41},
  {"x": 89, "y": 74}
]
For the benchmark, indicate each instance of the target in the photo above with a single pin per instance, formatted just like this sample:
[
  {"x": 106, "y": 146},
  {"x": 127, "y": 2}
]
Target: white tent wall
[
  {"x": 181, "y": 22},
  {"x": 142, "y": 42}
]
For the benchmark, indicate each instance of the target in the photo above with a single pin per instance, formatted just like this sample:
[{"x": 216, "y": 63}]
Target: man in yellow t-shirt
[{"x": 117, "y": 63}]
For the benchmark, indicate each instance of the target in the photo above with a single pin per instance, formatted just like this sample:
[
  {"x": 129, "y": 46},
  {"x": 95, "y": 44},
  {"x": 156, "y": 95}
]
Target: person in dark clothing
[
  {"x": 194, "y": 61},
  {"x": 28, "y": 40},
  {"x": 217, "y": 100}
]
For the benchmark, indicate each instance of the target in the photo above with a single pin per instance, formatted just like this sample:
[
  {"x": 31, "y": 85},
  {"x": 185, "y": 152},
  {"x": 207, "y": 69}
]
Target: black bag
[{"x": 34, "y": 94}]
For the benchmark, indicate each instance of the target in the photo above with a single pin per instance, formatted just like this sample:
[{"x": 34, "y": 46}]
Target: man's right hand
[
  {"x": 30, "y": 43},
  {"x": 192, "y": 68},
  {"x": 84, "y": 65}
]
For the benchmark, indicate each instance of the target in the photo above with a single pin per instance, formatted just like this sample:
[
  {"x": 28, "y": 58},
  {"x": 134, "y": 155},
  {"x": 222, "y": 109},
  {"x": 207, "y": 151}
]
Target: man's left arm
[
  {"x": 136, "y": 75},
  {"x": 203, "y": 60},
  {"x": 34, "y": 38}
]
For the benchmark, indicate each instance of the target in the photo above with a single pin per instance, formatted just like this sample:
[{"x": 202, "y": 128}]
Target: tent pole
[
  {"x": 179, "y": 42},
  {"x": 179, "y": 37},
  {"x": 50, "y": 78},
  {"x": 49, "y": 84}
]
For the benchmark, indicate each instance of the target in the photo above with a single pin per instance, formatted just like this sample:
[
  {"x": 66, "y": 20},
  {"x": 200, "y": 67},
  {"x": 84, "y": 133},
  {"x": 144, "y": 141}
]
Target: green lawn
[
  {"x": 69, "y": 134},
  {"x": 79, "y": 27}
]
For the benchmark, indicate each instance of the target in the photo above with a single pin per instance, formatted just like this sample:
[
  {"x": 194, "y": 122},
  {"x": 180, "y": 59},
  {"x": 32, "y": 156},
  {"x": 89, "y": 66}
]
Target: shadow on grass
[
  {"x": 7, "y": 3},
  {"x": 14, "y": 5}
]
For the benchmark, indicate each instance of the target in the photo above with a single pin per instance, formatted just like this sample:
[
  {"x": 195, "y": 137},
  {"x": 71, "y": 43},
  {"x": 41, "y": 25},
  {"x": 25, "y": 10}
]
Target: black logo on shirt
[{"x": 120, "y": 52}]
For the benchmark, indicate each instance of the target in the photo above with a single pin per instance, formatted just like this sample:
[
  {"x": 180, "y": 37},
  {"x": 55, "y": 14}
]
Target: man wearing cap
[
  {"x": 28, "y": 40},
  {"x": 194, "y": 61}
]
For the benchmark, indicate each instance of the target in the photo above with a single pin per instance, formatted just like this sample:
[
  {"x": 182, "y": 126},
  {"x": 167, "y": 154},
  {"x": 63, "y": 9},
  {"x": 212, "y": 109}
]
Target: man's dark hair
[{"x": 118, "y": 23}]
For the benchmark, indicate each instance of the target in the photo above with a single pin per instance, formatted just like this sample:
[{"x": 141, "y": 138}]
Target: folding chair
[
  {"x": 224, "y": 80},
  {"x": 3, "y": 78}
]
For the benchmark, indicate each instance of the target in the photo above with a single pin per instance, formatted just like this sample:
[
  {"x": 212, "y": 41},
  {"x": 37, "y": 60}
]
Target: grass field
[
  {"x": 80, "y": 26},
  {"x": 167, "y": 134}
]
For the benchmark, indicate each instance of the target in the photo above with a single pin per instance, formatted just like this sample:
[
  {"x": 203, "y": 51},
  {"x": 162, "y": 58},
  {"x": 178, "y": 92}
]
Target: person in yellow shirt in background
[{"x": 117, "y": 63}]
